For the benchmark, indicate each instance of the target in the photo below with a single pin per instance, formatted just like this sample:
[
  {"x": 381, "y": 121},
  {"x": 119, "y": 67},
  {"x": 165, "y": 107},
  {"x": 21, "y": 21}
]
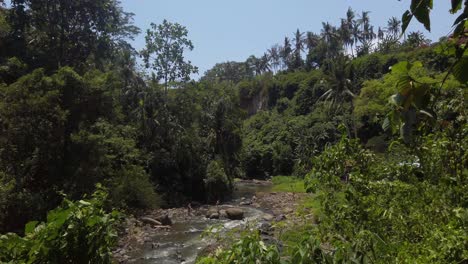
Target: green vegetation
[
  {"x": 371, "y": 123},
  {"x": 288, "y": 184},
  {"x": 75, "y": 232}
]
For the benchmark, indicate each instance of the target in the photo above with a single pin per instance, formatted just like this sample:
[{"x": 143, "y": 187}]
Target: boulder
[
  {"x": 222, "y": 213},
  {"x": 246, "y": 202},
  {"x": 214, "y": 216},
  {"x": 164, "y": 219},
  {"x": 235, "y": 213},
  {"x": 268, "y": 217},
  {"x": 280, "y": 217},
  {"x": 212, "y": 213},
  {"x": 150, "y": 221}
]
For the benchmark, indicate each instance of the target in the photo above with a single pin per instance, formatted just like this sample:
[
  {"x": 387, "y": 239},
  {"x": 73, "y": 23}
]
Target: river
[{"x": 183, "y": 242}]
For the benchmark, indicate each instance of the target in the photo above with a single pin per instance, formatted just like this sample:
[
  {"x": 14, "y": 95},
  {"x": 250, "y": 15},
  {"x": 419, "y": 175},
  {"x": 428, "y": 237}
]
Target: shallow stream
[{"x": 183, "y": 242}]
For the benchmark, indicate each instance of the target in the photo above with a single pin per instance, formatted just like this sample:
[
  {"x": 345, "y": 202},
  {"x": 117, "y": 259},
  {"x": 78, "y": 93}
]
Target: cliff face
[{"x": 254, "y": 104}]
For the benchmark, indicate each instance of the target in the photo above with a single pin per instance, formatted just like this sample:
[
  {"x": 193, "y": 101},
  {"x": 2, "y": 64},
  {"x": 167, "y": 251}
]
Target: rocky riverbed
[{"x": 174, "y": 235}]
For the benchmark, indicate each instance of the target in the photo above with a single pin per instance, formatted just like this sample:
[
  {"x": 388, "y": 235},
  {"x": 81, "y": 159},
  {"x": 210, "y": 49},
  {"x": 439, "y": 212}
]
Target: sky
[{"x": 223, "y": 30}]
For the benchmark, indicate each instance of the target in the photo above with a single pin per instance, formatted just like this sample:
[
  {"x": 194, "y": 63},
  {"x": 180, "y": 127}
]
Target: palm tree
[
  {"x": 393, "y": 27},
  {"x": 311, "y": 40},
  {"x": 274, "y": 55},
  {"x": 332, "y": 40},
  {"x": 380, "y": 34},
  {"x": 345, "y": 34},
  {"x": 364, "y": 20},
  {"x": 355, "y": 33},
  {"x": 350, "y": 17},
  {"x": 264, "y": 63},
  {"x": 285, "y": 53},
  {"x": 340, "y": 87},
  {"x": 298, "y": 48},
  {"x": 417, "y": 39},
  {"x": 350, "y": 22},
  {"x": 367, "y": 33}
]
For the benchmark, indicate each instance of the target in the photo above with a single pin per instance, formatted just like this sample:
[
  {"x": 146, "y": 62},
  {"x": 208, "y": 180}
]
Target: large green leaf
[
  {"x": 29, "y": 228},
  {"x": 421, "y": 10},
  {"x": 456, "y": 5},
  {"x": 460, "y": 70},
  {"x": 406, "y": 19}
]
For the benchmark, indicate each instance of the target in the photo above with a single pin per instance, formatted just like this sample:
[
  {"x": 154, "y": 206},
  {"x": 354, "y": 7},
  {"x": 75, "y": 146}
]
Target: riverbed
[{"x": 182, "y": 242}]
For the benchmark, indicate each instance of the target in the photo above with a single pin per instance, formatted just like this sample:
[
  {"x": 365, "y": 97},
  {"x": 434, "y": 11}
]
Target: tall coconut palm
[
  {"x": 330, "y": 36},
  {"x": 350, "y": 15},
  {"x": 417, "y": 39},
  {"x": 311, "y": 40},
  {"x": 350, "y": 22},
  {"x": 285, "y": 53},
  {"x": 264, "y": 63},
  {"x": 339, "y": 87},
  {"x": 367, "y": 32},
  {"x": 364, "y": 20},
  {"x": 380, "y": 34},
  {"x": 298, "y": 49},
  {"x": 345, "y": 34},
  {"x": 274, "y": 56},
  {"x": 393, "y": 27},
  {"x": 355, "y": 33}
]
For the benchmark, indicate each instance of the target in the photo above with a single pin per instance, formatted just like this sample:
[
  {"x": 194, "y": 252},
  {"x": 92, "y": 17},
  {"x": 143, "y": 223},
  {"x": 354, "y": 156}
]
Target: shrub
[
  {"x": 132, "y": 188},
  {"x": 217, "y": 183},
  {"x": 248, "y": 249},
  {"x": 393, "y": 209},
  {"x": 75, "y": 232}
]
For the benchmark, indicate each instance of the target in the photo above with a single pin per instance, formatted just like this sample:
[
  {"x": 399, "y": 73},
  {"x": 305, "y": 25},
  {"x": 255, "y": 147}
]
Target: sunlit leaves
[
  {"x": 164, "y": 52},
  {"x": 414, "y": 88},
  {"x": 419, "y": 9},
  {"x": 460, "y": 70},
  {"x": 78, "y": 232},
  {"x": 456, "y": 5}
]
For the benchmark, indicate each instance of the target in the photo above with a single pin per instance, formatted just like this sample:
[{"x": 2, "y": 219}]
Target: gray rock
[
  {"x": 222, "y": 213},
  {"x": 235, "y": 213},
  {"x": 247, "y": 202},
  {"x": 280, "y": 217},
  {"x": 211, "y": 212},
  {"x": 268, "y": 217},
  {"x": 150, "y": 221},
  {"x": 164, "y": 219},
  {"x": 214, "y": 216}
]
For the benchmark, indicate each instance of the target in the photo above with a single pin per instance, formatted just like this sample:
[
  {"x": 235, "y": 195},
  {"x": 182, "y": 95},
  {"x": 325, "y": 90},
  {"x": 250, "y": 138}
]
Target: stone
[
  {"x": 235, "y": 213},
  {"x": 247, "y": 202},
  {"x": 268, "y": 217},
  {"x": 150, "y": 221},
  {"x": 164, "y": 219},
  {"x": 265, "y": 229},
  {"x": 222, "y": 213},
  {"x": 211, "y": 212},
  {"x": 280, "y": 217},
  {"x": 214, "y": 216}
]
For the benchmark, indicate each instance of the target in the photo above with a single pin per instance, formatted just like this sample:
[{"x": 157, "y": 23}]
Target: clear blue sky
[{"x": 223, "y": 30}]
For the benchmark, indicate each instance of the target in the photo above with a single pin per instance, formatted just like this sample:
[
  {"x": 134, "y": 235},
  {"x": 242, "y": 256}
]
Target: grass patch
[
  {"x": 288, "y": 184},
  {"x": 309, "y": 204}
]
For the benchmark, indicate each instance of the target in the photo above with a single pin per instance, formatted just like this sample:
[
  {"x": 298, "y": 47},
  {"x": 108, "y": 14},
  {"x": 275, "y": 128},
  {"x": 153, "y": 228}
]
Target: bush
[
  {"x": 217, "y": 183},
  {"x": 132, "y": 188},
  {"x": 76, "y": 232},
  {"x": 248, "y": 249},
  {"x": 393, "y": 209}
]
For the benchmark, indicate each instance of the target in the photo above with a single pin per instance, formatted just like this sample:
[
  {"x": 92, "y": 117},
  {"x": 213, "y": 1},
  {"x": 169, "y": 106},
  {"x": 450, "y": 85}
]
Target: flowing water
[{"x": 183, "y": 242}]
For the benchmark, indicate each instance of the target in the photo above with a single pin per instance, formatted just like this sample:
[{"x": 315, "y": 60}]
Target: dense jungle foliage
[{"x": 373, "y": 119}]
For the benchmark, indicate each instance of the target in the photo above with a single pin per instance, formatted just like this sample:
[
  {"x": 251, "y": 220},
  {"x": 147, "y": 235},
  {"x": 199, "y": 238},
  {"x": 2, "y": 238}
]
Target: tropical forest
[{"x": 343, "y": 144}]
